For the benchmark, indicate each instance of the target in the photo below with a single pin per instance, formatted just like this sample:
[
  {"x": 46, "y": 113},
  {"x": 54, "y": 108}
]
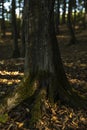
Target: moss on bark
[{"x": 37, "y": 106}]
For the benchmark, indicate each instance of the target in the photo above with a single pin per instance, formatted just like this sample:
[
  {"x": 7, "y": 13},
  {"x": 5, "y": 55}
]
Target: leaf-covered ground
[{"x": 57, "y": 117}]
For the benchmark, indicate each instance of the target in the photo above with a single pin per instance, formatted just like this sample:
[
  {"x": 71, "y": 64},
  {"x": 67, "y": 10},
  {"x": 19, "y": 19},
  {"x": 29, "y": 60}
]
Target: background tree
[
  {"x": 57, "y": 21},
  {"x": 85, "y": 3},
  {"x": 64, "y": 11},
  {"x": 2, "y": 18},
  {"x": 16, "y": 52},
  {"x": 73, "y": 37},
  {"x": 23, "y": 29},
  {"x": 75, "y": 12}
]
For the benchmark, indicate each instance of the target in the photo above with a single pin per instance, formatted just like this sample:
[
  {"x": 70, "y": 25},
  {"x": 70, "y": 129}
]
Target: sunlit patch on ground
[
  {"x": 14, "y": 74},
  {"x": 9, "y": 82},
  {"x": 11, "y": 73}
]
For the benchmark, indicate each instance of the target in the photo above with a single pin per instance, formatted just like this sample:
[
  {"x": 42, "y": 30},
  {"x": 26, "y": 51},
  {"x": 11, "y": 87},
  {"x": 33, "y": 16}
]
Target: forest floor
[{"x": 57, "y": 117}]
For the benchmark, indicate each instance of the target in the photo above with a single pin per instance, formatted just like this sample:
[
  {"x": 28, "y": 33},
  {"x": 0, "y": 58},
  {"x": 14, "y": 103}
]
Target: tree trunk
[
  {"x": 85, "y": 3},
  {"x": 24, "y": 17},
  {"x": 75, "y": 12},
  {"x": 58, "y": 17},
  {"x": 16, "y": 52},
  {"x": 44, "y": 74},
  {"x": 73, "y": 37},
  {"x": 3, "y": 19},
  {"x": 64, "y": 12}
]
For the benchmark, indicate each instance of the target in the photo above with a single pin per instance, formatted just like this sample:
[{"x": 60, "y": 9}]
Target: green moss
[
  {"x": 29, "y": 84},
  {"x": 4, "y": 118},
  {"x": 36, "y": 111},
  {"x": 26, "y": 88}
]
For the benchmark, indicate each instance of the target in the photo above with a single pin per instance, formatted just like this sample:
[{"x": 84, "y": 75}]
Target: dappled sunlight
[
  {"x": 8, "y": 33},
  {"x": 1, "y": 41},
  {"x": 69, "y": 64},
  {"x": 11, "y": 73},
  {"x": 9, "y": 82},
  {"x": 13, "y": 80},
  {"x": 72, "y": 64},
  {"x": 79, "y": 83},
  {"x": 76, "y": 27},
  {"x": 4, "y": 41},
  {"x": 83, "y": 65},
  {"x": 62, "y": 36}
]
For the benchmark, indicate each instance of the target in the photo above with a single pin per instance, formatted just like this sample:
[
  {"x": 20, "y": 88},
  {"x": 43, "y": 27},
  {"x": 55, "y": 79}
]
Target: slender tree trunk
[
  {"x": 24, "y": 16},
  {"x": 85, "y": 4},
  {"x": 19, "y": 21},
  {"x": 16, "y": 52},
  {"x": 3, "y": 19},
  {"x": 58, "y": 17},
  {"x": 64, "y": 12},
  {"x": 75, "y": 14},
  {"x": 73, "y": 37},
  {"x": 0, "y": 21}
]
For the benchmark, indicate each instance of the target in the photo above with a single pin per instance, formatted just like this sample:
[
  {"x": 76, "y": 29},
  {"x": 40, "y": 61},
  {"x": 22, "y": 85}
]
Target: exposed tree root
[{"x": 36, "y": 89}]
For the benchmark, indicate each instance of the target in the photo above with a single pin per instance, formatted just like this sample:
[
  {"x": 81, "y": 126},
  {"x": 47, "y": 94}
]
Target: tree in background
[
  {"x": 2, "y": 18},
  {"x": 24, "y": 17},
  {"x": 16, "y": 52},
  {"x": 73, "y": 37},
  {"x": 75, "y": 12},
  {"x": 64, "y": 12},
  {"x": 85, "y": 4},
  {"x": 57, "y": 21}
]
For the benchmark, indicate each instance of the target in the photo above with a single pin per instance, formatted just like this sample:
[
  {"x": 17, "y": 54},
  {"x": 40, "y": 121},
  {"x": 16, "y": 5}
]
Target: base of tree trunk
[{"x": 35, "y": 89}]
